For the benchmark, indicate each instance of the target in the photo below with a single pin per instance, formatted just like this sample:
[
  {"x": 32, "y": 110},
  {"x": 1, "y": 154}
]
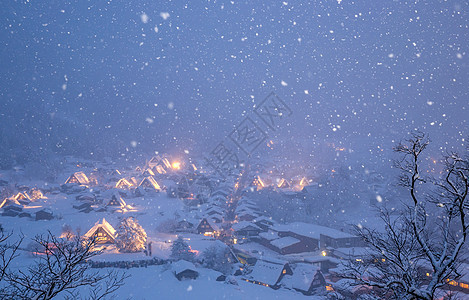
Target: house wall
[
  {"x": 327, "y": 241},
  {"x": 307, "y": 243}
]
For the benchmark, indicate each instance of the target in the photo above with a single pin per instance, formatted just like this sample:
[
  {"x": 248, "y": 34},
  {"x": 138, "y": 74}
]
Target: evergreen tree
[
  {"x": 218, "y": 258},
  {"x": 181, "y": 250},
  {"x": 131, "y": 237}
]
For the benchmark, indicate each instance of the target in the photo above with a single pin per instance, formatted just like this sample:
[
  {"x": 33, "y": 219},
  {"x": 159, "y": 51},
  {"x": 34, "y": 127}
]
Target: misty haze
[{"x": 234, "y": 150}]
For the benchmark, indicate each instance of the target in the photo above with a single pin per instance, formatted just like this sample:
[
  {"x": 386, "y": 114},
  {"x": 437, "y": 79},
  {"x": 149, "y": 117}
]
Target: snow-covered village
[{"x": 234, "y": 150}]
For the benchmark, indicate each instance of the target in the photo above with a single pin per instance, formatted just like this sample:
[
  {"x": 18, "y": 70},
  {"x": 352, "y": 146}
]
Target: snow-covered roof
[
  {"x": 116, "y": 200},
  {"x": 352, "y": 252},
  {"x": 270, "y": 235},
  {"x": 104, "y": 225},
  {"x": 303, "y": 276},
  {"x": 311, "y": 230},
  {"x": 123, "y": 182},
  {"x": 80, "y": 177},
  {"x": 284, "y": 242},
  {"x": 150, "y": 182},
  {"x": 22, "y": 195},
  {"x": 182, "y": 265},
  {"x": 211, "y": 223},
  {"x": 215, "y": 209},
  {"x": 266, "y": 272},
  {"x": 9, "y": 201},
  {"x": 244, "y": 225},
  {"x": 262, "y": 219}
]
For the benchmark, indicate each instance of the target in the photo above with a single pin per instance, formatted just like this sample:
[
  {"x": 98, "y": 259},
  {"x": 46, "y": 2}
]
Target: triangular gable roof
[
  {"x": 258, "y": 181},
  {"x": 148, "y": 172},
  {"x": 150, "y": 182},
  {"x": 304, "y": 182},
  {"x": 210, "y": 223},
  {"x": 123, "y": 183},
  {"x": 155, "y": 159},
  {"x": 104, "y": 225},
  {"x": 116, "y": 172},
  {"x": 304, "y": 275},
  {"x": 283, "y": 183},
  {"x": 9, "y": 201},
  {"x": 22, "y": 196},
  {"x": 78, "y": 177},
  {"x": 116, "y": 200}
]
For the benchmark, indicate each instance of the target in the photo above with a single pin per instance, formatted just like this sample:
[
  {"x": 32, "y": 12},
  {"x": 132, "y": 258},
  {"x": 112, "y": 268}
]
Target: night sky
[{"x": 170, "y": 76}]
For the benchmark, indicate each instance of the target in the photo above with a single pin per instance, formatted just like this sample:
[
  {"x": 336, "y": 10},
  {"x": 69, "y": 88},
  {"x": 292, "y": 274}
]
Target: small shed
[
  {"x": 183, "y": 269},
  {"x": 44, "y": 214}
]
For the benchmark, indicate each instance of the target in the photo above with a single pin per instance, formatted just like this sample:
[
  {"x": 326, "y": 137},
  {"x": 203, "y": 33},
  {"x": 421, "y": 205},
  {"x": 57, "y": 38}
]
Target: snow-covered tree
[
  {"x": 181, "y": 250},
  {"x": 60, "y": 271},
  {"x": 131, "y": 237},
  {"x": 420, "y": 249},
  {"x": 218, "y": 258}
]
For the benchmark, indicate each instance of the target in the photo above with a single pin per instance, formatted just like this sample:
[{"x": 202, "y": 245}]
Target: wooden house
[
  {"x": 268, "y": 273},
  {"x": 103, "y": 232},
  {"x": 159, "y": 169},
  {"x": 148, "y": 172},
  {"x": 264, "y": 223},
  {"x": 307, "y": 279},
  {"x": 10, "y": 201},
  {"x": 283, "y": 184},
  {"x": 44, "y": 214},
  {"x": 23, "y": 198},
  {"x": 258, "y": 183},
  {"x": 117, "y": 201},
  {"x": 78, "y": 178},
  {"x": 36, "y": 194},
  {"x": 115, "y": 175},
  {"x": 123, "y": 184},
  {"x": 208, "y": 228},
  {"x": 149, "y": 183},
  {"x": 246, "y": 229}
]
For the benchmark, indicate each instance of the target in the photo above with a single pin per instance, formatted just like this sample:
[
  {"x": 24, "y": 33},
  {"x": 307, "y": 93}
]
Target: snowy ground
[{"x": 159, "y": 282}]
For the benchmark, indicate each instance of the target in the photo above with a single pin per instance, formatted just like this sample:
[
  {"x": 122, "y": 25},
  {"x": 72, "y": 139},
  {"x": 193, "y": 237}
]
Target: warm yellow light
[
  {"x": 323, "y": 253},
  {"x": 176, "y": 165}
]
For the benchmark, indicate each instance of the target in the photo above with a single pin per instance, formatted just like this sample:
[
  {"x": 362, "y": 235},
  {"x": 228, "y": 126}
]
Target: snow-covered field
[{"x": 158, "y": 282}]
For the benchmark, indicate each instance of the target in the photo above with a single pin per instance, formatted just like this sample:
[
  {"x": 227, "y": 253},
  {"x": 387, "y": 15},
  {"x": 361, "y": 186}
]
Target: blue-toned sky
[{"x": 174, "y": 75}]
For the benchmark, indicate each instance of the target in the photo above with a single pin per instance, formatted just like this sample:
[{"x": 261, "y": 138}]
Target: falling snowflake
[{"x": 144, "y": 17}]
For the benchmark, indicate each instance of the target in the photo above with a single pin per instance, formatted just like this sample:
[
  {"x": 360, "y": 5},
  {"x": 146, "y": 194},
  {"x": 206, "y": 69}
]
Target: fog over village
[{"x": 234, "y": 150}]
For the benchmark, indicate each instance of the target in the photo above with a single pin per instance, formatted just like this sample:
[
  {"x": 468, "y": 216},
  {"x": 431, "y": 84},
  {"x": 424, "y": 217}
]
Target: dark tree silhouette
[
  {"x": 421, "y": 246},
  {"x": 60, "y": 269}
]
